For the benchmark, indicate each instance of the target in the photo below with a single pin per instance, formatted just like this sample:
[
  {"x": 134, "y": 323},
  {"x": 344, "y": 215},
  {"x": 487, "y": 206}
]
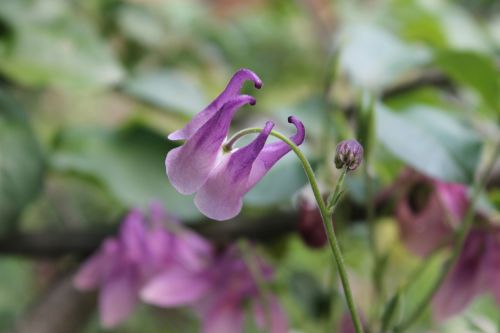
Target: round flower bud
[{"x": 349, "y": 154}]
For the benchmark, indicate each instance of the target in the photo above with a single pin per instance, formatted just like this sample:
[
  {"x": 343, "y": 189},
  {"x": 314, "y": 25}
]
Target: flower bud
[{"x": 349, "y": 154}]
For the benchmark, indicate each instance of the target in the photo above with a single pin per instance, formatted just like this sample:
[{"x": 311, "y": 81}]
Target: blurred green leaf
[
  {"x": 171, "y": 90},
  {"x": 474, "y": 70},
  {"x": 21, "y": 162},
  {"x": 431, "y": 141},
  {"x": 390, "y": 311},
  {"x": 280, "y": 183},
  {"x": 308, "y": 293},
  {"x": 129, "y": 162},
  {"x": 16, "y": 290},
  {"x": 141, "y": 25},
  {"x": 373, "y": 58},
  {"x": 52, "y": 46}
]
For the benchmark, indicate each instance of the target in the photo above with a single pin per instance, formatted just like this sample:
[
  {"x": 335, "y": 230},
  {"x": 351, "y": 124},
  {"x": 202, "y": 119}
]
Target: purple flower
[
  {"x": 476, "y": 271},
  {"x": 221, "y": 179},
  {"x": 218, "y": 293},
  {"x": 349, "y": 153},
  {"x": 310, "y": 226},
  {"x": 124, "y": 263},
  {"x": 428, "y": 210}
]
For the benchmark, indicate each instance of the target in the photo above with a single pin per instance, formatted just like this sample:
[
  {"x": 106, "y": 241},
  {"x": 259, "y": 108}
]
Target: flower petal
[
  {"x": 224, "y": 317},
  {"x": 91, "y": 273},
  {"x": 454, "y": 199},
  {"x": 232, "y": 90},
  {"x": 175, "y": 287},
  {"x": 188, "y": 166},
  {"x": 464, "y": 280},
  {"x": 133, "y": 235},
  {"x": 220, "y": 198},
  {"x": 279, "y": 322},
  {"x": 490, "y": 272},
  {"x": 273, "y": 152},
  {"x": 118, "y": 297},
  {"x": 192, "y": 250}
]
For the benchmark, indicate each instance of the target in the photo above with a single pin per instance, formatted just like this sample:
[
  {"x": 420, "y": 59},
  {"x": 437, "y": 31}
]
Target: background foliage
[{"x": 90, "y": 89}]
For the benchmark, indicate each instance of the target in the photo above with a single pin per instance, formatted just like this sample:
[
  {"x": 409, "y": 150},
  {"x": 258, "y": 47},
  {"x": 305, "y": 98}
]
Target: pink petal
[
  {"x": 118, "y": 297},
  {"x": 232, "y": 90},
  {"x": 454, "y": 199},
  {"x": 133, "y": 235},
  {"x": 175, "y": 287},
  {"x": 193, "y": 251},
  {"x": 91, "y": 273},
  {"x": 225, "y": 317},
  {"x": 220, "y": 198},
  {"x": 189, "y": 166},
  {"x": 273, "y": 152},
  {"x": 463, "y": 282}
]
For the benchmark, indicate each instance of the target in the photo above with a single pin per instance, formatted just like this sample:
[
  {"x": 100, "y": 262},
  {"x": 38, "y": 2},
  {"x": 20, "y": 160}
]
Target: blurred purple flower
[
  {"x": 476, "y": 271},
  {"x": 218, "y": 293},
  {"x": 221, "y": 179},
  {"x": 124, "y": 263},
  {"x": 428, "y": 210}
]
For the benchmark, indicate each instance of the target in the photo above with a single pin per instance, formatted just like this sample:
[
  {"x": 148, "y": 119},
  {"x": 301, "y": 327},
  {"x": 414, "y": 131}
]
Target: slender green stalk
[
  {"x": 457, "y": 249},
  {"x": 256, "y": 273},
  {"x": 325, "y": 215}
]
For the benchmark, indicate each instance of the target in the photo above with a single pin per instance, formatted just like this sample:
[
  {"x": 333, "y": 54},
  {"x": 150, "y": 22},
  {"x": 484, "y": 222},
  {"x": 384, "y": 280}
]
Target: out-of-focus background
[{"x": 89, "y": 89}]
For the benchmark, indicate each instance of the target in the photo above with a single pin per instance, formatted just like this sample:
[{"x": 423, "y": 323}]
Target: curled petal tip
[
  {"x": 268, "y": 127},
  {"x": 244, "y": 99},
  {"x": 249, "y": 75},
  {"x": 299, "y": 137}
]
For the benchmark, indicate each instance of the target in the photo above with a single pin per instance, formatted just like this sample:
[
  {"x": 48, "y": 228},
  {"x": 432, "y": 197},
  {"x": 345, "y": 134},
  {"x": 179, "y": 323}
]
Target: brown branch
[
  {"x": 83, "y": 242},
  {"x": 426, "y": 79}
]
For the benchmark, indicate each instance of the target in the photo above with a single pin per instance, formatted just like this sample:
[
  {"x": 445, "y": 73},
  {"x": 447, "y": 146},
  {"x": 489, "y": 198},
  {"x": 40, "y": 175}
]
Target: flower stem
[
  {"x": 457, "y": 249},
  {"x": 325, "y": 215},
  {"x": 256, "y": 272}
]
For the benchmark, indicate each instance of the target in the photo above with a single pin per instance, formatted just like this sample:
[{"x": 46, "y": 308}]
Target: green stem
[
  {"x": 457, "y": 249},
  {"x": 256, "y": 273},
  {"x": 325, "y": 215}
]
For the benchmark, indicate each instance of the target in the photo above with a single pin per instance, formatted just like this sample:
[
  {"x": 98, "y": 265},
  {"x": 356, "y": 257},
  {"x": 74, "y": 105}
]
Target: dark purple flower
[
  {"x": 476, "y": 271},
  {"x": 428, "y": 210},
  {"x": 310, "y": 226},
  {"x": 349, "y": 153},
  {"x": 218, "y": 293},
  {"x": 220, "y": 178},
  {"x": 125, "y": 263}
]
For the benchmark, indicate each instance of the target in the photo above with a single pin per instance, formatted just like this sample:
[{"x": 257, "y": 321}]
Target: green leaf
[
  {"x": 307, "y": 291},
  {"x": 474, "y": 70},
  {"x": 390, "y": 311},
  {"x": 280, "y": 183},
  {"x": 366, "y": 128},
  {"x": 21, "y": 162},
  {"x": 129, "y": 162},
  {"x": 171, "y": 90},
  {"x": 431, "y": 141},
  {"x": 373, "y": 58},
  {"x": 55, "y": 47}
]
